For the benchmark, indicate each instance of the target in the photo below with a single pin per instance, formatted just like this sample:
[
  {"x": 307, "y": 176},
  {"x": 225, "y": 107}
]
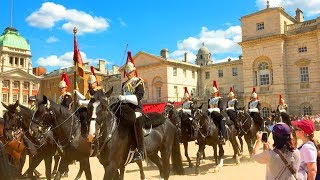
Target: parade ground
[{"x": 245, "y": 171}]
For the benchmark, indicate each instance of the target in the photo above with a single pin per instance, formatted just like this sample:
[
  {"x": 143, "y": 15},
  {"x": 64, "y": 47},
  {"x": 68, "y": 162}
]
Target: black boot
[{"x": 139, "y": 155}]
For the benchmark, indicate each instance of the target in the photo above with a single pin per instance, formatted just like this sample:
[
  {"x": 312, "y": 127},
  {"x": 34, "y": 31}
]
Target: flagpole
[{"x": 75, "y": 30}]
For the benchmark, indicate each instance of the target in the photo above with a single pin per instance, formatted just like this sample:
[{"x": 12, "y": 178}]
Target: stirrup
[{"x": 138, "y": 156}]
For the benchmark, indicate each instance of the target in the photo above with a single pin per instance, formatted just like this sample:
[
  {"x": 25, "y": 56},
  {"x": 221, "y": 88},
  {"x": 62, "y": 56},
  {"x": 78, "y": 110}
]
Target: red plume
[
  {"x": 215, "y": 84},
  {"x": 186, "y": 90},
  {"x": 280, "y": 97},
  {"x": 231, "y": 89},
  {"x": 253, "y": 90},
  {"x": 93, "y": 72},
  {"x": 130, "y": 59},
  {"x": 65, "y": 78}
]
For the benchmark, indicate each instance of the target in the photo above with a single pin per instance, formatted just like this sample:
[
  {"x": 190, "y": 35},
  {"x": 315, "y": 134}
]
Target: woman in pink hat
[{"x": 308, "y": 165}]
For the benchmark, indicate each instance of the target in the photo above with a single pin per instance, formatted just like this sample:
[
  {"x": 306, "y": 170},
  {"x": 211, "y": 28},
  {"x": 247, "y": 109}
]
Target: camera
[{"x": 264, "y": 137}]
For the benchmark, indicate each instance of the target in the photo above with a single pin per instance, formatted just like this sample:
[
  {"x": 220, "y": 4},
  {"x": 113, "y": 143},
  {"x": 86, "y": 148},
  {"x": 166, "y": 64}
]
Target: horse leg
[
  {"x": 248, "y": 139},
  {"x": 215, "y": 155},
  {"x": 48, "y": 164},
  {"x": 63, "y": 166},
  {"x": 235, "y": 147},
  {"x": 109, "y": 171},
  {"x": 156, "y": 159},
  {"x": 241, "y": 144},
  {"x": 86, "y": 168},
  {"x": 199, "y": 155},
  {"x": 142, "y": 175},
  {"x": 185, "y": 144},
  {"x": 56, "y": 163},
  {"x": 121, "y": 177},
  {"x": 33, "y": 163},
  {"x": 79, "y": 172},
  {"x": 221, "y": 155},
  {"x": 165, "y": 157}
]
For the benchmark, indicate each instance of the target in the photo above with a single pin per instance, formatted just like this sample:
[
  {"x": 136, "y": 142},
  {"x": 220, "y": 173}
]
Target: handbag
[{"x": 285, "y": 162}]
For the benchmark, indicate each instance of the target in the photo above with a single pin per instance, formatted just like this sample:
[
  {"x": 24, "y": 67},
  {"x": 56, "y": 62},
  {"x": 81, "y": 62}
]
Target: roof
[
  {"x": 11, "y": 38},
  {"x": 158, "y": 107},
  {"x": 203, "y": 50},
  {"x": 280, "y": 9}
]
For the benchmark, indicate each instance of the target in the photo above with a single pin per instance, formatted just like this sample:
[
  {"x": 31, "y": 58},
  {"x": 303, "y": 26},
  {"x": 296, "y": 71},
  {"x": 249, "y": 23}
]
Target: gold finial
[
  {"x": 268, "y": 5},
  {"x": 75, "y": 30}
]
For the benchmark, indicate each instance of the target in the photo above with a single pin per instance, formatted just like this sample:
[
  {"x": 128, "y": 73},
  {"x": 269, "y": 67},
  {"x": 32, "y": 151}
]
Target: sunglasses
[{"x": 298, "y": 129}]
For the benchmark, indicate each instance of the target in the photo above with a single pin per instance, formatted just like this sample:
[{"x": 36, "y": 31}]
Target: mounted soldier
[
  {"x": 32, "y": 103},
  {"x": 65, "y": 98},
  {"x": 232, "y": 107},
  {"x": 84, "y": 101},
  {"x": 132, "y": 94},
  {"x": 187, "y": 103},
  {"x": 215, "y": 107},
  {"x": 283, "y": 110},
  {"x": 254, "y": 107}
]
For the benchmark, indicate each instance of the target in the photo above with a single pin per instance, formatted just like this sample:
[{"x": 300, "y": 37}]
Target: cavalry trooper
[
  {"x": 283, "y": 109},
  {"x": 32, "y": 103},
  {"x": 84, "y": 101},
  {"x": 231, "y": 109},
  {"x": 132, "y": 94},
  {"x": 65, "y": 98},
  {"x": 254, "y": 107},
  {"x": 215, "y": 107},
  {"x": 187, "y": 103}
]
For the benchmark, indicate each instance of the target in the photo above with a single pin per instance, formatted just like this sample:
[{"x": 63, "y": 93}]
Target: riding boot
[
  {"x": 139, "y": 154},
  {"x": 223, "y": 131}
]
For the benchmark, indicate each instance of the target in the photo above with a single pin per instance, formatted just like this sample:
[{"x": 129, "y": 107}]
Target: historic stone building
[
  {"x": 18, "y": 81},
  {"x": 281, "y": 56}
]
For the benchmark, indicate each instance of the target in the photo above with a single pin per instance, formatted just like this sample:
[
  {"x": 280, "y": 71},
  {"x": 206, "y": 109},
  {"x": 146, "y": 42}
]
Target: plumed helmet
[
  {"x": 281, "y": 100},
  {"x": 186, "y": 93},
  {"x": 92, "y": 78},
  {"x": 231, "y": 93},
  {"x": 130, "y": 66},
  {"x": 64, "y": 83},
  {"x": 254, "y": 94},
  {"x": 215, "y": 88},
  {"x": 32, "y": 98}
]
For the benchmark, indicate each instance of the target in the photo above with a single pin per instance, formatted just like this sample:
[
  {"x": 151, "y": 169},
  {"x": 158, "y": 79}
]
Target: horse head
[
  {"x": 198, "y": 117},
  {"x": 12, "y": 119},
  {"x": 168, "y": 109}
]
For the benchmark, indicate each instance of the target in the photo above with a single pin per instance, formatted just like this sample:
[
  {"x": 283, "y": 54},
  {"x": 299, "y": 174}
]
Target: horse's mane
[{"x": 59, "y": 108}]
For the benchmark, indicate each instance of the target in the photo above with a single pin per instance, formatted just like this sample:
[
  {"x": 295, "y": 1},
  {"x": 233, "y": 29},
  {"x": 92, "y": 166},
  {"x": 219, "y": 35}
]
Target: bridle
[
  {"x": 197, "y": 115},
  {"x": 242, "y": 115}
]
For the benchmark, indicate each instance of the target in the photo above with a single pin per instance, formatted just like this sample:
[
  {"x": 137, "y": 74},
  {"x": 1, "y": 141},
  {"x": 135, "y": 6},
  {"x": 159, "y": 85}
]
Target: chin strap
[{"x": 131, "y": 99}]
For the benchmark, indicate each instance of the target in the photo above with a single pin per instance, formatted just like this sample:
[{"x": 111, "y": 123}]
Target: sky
[{"x": 105, "y": 28}]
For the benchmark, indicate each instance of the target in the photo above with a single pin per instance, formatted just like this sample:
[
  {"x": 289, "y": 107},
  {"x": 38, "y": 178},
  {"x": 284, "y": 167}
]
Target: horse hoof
[
  {"x": 57, "y": 176},
  {"x": 197, "y": 171},
  {"x": 237, "y": 160}
]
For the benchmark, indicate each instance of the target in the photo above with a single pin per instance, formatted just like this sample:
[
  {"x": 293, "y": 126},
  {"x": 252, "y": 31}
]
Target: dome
[
  {"x": 11, "y": 38},
  {"x": 203, "y": 50}
]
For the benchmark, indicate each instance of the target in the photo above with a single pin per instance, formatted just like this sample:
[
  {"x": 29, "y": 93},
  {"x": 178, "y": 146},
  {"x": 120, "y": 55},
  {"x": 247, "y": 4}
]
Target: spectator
[
  {"x": 283, "y": 146},
  {"x": 308, "y": 167}
]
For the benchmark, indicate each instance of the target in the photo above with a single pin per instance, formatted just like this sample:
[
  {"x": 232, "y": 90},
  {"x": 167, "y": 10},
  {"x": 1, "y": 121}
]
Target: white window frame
[
  {"x": 264, "y": 74},
  {"x": 185, "y": 73},
  {"x": 207, "y": 75},
  {"x": 175, "y": 71},
  {"x": 15, "y": 97},
  {"x": 15, "y": 83},
  {"x": 175, "y": 89},
  {"x": 220, "y": 73},
  {"x": 158, "y": 92},
  {"x": 193, "y": 75},
  {"x": 26, "y": 85},
  {"x": 304, "y": 74},
  {"x": 5, "y": 84},
  {"x": 234, "y": 71},
  {"x": 25, "y": 99},
  {"x": 5, "y": 96}
]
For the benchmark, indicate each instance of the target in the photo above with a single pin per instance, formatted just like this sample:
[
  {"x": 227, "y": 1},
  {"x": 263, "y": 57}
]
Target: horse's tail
[{"x": 176, "y": 156}]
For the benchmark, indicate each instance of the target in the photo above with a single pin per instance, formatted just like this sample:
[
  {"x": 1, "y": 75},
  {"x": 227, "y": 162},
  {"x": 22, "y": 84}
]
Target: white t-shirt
[{"x": 308, "y": 153}]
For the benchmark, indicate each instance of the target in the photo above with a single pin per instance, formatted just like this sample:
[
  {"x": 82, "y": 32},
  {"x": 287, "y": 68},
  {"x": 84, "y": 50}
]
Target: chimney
[
  {"x": 229, "y": 59},
  {"x": 185, "y": 57},
  {"x": 299, "y": 15},
  {"x": 240, "y": 57},
  {"x": 115, "y": 69},
  {"x": 102, "y": 66},
  {"x": 164, "y": 53}
]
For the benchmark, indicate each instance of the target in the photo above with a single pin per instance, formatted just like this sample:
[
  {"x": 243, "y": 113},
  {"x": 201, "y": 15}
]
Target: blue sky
[{"x": 105, "y": 27}]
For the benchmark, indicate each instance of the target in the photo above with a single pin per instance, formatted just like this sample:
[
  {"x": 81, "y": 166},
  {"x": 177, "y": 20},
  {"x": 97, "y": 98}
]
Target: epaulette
[
  {"x": 98, "y": 88},
  {"x": 140, "y": 81}
]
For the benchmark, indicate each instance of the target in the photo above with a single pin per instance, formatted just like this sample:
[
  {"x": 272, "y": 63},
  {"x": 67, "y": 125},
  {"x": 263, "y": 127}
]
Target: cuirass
[
  {"x": 214, "y": 101},
  {"x": 254, "y": 104}
]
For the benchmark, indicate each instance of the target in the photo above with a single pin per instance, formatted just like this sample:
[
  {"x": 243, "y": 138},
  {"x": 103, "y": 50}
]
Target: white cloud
[
  {"x": 122, "y": 22},
  {"x": 309, "y": 7},
  {"x": 52, "y": 39},
  {"x": 226, "y": 59},
  {"x": 65, "y": 60},
  {"x": 221, "y": 41},
  {"x": 50, "y": 13}
]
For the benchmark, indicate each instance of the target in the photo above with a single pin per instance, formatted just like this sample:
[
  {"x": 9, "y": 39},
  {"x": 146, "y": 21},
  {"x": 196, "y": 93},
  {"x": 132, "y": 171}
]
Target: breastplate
[
  {"x": 186, "y": 105},
  {"x": 214, "y": 102},
  {"x": 254, "y": 104},
  {"x": 231, "y": 103}
]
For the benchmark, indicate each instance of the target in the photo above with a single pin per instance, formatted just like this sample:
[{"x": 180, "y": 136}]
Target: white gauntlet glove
[{"x": 129, "y": 99}]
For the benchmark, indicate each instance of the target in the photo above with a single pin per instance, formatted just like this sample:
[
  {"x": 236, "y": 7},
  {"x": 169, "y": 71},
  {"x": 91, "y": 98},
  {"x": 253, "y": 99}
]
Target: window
[
  {"x": 185, "y": 73},
  {"x": 264, "y": 73},
  {"x": 16, "y": 85},
  {"x": 21, "y": 61},
  {"x": 207, "y": 75},
  {"x": 25, "y": 85},
  {"x": 25, "y": 99},
  {"x": 5, "y": 84},
  {"x": 265, "y": 112},
  {"x": 307, "y": 110},
  {"x": 260, "y": 26},
  {"x": 220, "y": 73},
  {"x": 174, "y": 71},
  {"x": 16, "y": 61},
  {"x": 175, "y": 89},
  {"x": 193, "y": 75},
  {"x": 14, "y": 97},
  {"x": 158, "y": 92},
  {"x": 304, "y": 74},
  {"x": 201, "y": 56},
  {"x": 193, "y": 91},
  {"x": 11, "y": 60},
  {"x": 5, "y": 98},
  {"x": 234, "y": 71},
  {"x": 34, "y": 86},
  {"x": 302, "y": 49}
]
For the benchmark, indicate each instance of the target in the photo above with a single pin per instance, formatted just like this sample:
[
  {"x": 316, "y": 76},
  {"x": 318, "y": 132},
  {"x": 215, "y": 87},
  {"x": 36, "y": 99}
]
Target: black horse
[
  {"x": 116, "y": 138},
  {"x": 277, "y": 116},
  {"x": 184, "y": 126},
  {"x": 66, "y": 129},
  {"x": 7, "y": 171},
  {"x": 208, "y": 134},
  {"x": 248, "y": 128}
]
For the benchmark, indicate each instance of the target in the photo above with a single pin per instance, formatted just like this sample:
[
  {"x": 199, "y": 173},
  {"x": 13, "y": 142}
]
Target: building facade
[{"x": 18, "y": 81}]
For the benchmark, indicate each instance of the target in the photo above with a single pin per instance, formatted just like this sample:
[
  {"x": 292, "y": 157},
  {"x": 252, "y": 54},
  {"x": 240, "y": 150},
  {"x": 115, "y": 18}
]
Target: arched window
[
  {"x": 307, "y": 110},
  {"x": 264, "y": 73},
  {"x": 201, "y": 56},
  {"x": 265, "y": 112}
]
